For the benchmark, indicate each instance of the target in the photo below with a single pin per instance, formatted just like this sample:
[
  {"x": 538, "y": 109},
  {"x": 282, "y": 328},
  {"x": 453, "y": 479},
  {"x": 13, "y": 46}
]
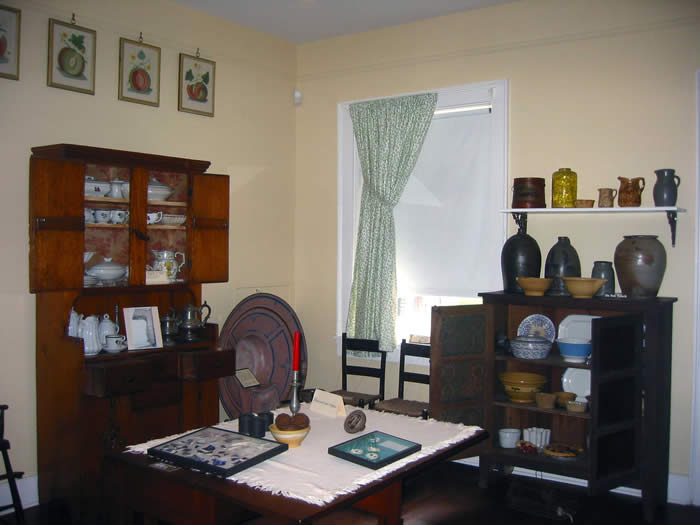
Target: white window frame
[{"x": 494, "y": 93}]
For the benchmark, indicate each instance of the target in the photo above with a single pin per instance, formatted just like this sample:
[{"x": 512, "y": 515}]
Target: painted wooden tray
[{"x": 261, "y": 329}]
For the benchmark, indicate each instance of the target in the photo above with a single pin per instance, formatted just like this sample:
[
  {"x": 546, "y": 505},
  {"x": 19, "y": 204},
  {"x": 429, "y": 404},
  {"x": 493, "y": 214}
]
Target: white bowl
[
  {"x": 96, "y": 188},
  {"x": 508, "y": 437},
  {"x": 157, "y": 191},
  {"x": 107, "y": 271}
]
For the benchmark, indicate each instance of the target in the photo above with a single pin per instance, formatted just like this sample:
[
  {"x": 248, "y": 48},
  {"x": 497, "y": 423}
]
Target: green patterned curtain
[{"x": 389, "y": 134}]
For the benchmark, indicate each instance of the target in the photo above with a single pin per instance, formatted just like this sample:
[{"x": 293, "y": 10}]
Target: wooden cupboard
[
  {"x": 89, "y": 405},
  {"x": 624, "y": 435}
]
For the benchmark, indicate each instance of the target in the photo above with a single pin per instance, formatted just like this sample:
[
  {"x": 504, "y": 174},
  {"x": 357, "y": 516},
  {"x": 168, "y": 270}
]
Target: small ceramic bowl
[
  {"x": 545, "y": 400},
  {"x": 563, "y": 397},
  {"x": 508, "y": 437},
  {"x": 583, "y": 287},
  {"x": 576, "y": 406},
  {"x": 530, "y": 347},
  {"x": 293, "y": 438},
  {"x": 574, "y": 350},
  {"x": 534, "y": 285},
  {"x": 583, "y": 203}
]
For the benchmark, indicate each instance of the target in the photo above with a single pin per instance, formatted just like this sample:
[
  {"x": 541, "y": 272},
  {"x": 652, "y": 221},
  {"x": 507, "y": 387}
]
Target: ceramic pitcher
[
  {"x": 630, "y": 192},
  {"x": 666, "y": 187}
]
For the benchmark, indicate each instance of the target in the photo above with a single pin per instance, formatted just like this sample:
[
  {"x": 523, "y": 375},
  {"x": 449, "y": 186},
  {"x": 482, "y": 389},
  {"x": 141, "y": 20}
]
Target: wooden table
[{"x": 134, "y": 483}]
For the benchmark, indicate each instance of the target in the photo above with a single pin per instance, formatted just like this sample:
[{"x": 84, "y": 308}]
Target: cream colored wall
[
  {"x": 605, "y": 88},
  {"x": 250, "y": 138}
]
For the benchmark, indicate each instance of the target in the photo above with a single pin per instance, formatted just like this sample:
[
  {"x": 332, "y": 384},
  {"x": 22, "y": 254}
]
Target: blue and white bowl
[
  {"x": 530, "y": 347},
  {"x": 574, "y": 350}
]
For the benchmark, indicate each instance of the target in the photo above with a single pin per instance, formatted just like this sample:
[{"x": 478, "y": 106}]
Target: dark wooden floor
[{"x": 450, "y": 495}]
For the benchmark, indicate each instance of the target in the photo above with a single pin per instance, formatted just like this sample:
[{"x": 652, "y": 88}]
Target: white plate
[
  {"x": 578, "y": 381},
  {"x": 576, "y": 327},
  {"x": 114, "y": 350},
  {"x": 538, "y": 325}
]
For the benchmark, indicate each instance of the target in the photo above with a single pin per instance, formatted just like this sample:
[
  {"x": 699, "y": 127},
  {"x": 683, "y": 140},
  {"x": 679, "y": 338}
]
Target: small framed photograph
[
  {"x": 71, "y": 63},
  {"x": 142, "y": 327},
  {"x": 139, "y": 72},
  {"x": 10, "y": 24},
  {"x": 221, "y": 452},
  {"x": 247, "y": 378},
  {"x": 374, "y": 450},
  {"x": 196, "y": 86}
]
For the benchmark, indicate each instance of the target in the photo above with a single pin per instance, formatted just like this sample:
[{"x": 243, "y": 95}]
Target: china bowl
[
  {"x": 574, "y": 350},
  {"x": 530, "y": 347},
  {"x": 293, "y": 438},
  {"x": 534, "y": 285},
  {"x": 522, "y": 386},
  {"x": 508, "y": 437},
  {"x": 106, "y": 271},
  {"x": 583, "y": 287},
  {"x": 96, "y": 188},
  {"x": 157, "y": 191}
]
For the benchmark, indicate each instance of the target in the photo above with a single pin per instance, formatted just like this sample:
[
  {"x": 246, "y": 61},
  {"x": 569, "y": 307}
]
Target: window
[{"x": 449, "y": 231}]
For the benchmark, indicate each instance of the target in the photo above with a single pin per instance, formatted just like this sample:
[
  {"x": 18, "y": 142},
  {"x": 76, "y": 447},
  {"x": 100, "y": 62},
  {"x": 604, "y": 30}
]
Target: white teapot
[{"x": 106, "y": 327}]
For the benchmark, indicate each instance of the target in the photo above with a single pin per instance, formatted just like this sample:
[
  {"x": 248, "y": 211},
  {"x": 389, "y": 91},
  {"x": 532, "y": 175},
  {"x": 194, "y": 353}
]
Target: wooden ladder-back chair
[
  {"x": 399, "y": 405},
  {"x": 10, "y": 475},
  {"x": 363, "y": 345}
]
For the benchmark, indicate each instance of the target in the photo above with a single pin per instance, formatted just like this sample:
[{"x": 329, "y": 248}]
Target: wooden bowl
[
  {"x": 583, "y": 287},
  {"x": 293, "y": 438},
  {"x": 583, "y": 203},
  {"x": 534, "y": 285}
]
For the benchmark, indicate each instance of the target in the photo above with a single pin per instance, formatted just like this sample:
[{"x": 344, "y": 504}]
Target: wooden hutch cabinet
[
  {"x": 87, "y": 405},
  {"x": 624, "y": 435}
]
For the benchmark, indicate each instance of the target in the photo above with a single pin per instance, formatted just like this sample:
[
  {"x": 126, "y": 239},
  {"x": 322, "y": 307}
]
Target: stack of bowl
[
  {"x": 574, "y": 350},
  {"x": 522, "y": 386}
]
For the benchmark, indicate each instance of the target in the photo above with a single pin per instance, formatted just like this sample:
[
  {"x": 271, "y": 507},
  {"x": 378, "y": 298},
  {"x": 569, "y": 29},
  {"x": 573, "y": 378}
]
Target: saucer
[{"x": 114, "y": 350}]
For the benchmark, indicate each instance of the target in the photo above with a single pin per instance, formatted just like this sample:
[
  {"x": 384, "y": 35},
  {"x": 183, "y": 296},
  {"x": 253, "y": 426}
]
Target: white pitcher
[{"x": 88, "y": 330}]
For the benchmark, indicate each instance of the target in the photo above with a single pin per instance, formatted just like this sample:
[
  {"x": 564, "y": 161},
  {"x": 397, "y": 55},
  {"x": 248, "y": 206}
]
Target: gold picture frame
[
  {"x": 10, "y": 26},
  {"x": 71, "y": 62},
  {"x": 196, "y": 85},
  {"x": 139, "y": 72}
]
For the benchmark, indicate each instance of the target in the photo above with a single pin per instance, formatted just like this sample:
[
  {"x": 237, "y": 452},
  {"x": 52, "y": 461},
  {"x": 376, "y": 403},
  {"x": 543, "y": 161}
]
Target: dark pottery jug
[
  {"x": 666, "y": 187},
  {"x": 640, "y": 263},
  {"x": 520, "y": 257},
  {"x": 604, "y": 270},
  {"x": 562, "y": 261}
]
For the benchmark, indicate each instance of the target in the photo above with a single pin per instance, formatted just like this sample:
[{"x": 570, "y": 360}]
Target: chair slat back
[
  {"x": 363, "y": 345},
  {"x": 413, "y": 350}
]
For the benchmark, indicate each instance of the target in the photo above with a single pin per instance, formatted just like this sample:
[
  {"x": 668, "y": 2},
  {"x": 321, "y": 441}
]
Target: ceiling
[{"x": 302, "y": 21}]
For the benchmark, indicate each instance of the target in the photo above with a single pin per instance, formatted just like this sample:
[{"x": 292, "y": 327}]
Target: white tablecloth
[{"x": 311, "y": 474}]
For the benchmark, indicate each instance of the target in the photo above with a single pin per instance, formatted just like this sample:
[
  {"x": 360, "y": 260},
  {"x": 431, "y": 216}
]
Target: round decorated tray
[
  {"x": 538, "y": 325},
  {"x": 559, "y": 450},
  {"x": 261, "y": 329}
]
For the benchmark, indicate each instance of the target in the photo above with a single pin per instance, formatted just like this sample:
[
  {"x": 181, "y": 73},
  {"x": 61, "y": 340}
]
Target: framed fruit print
[
  {"x": 10, "y": 23},
  {"x": 196, "y": 86},
  {"x": 71, "y": 63},
  {"x": 139, "y": 72}
]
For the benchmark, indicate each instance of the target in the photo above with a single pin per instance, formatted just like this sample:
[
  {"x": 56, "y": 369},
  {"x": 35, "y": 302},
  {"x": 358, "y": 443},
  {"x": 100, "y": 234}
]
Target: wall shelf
[{"x": 520, "y": 214}]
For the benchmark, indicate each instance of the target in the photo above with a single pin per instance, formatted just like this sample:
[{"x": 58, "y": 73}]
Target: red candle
[{"x": 295, "y": 360}]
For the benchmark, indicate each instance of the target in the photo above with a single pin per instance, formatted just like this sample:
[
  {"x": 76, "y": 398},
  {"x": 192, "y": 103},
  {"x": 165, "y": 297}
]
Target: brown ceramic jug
[{"x": 630, "y": 192}]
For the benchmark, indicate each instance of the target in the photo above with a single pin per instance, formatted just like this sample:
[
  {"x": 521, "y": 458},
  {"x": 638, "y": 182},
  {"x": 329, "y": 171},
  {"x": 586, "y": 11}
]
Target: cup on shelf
[
  {"x": 89, "y": 216},
  {"x": 114, "y": 342},
  {"x": 154, "y": 217},
  {"x": 508, "y": 437},
  {"x": 102, "y": 216},
  {"x": 118, "y": 216}
]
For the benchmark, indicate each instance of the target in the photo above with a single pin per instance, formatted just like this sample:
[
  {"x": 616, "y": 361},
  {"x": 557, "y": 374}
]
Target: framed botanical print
[
  {"x": 139, "y": 72},
  {"x": 71, "y": 63},
  {"x": 196, "y": 85},
  {"x": 10, "y": 23}
]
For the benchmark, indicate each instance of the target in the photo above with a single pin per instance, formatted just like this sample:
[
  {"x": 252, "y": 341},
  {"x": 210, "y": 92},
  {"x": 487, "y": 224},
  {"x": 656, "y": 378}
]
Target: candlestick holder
[{"x": 294, "y": 403}]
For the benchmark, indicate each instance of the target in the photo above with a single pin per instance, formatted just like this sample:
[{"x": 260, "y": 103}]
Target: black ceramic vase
[
  {"x": 520, "y": 257},
  {"x": 562, "y": 261},
  {"x": 604, "y": 270},
  {"x": 640, "y": 263}
]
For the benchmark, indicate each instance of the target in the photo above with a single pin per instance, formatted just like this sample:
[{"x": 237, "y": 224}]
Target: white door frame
[{"x": 694, "y": 470}]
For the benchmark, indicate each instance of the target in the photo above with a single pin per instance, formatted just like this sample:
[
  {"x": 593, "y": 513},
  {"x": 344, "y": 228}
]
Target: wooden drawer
[
  {"x": 125, "y": 376},
  {"x": 202, "y": 365}
]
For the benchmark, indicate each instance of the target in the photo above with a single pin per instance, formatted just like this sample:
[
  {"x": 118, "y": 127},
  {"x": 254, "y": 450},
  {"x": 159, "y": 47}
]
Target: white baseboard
[
  {"x": 28, "y": 492},
  {"x": 678, "y": 485}
]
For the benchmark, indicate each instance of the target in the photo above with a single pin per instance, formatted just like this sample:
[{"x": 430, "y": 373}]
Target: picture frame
[
  {"x": 374, "y": 450},
  {"x": 139, "y": 72},
  {"x": 217, "y": 451},
  {"x": 196, "y": 85},
  {"x": 247, "y": 378},
  {"x": 10, "y": 27},
  {"x": 71, "y": 61},
  {"x": 142, "y": 325}
]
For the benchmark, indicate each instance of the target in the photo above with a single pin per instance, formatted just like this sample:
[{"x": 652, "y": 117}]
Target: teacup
[
  {"x": 154, "y": 217},
  {"x": 102, "y": 216},
  {"x": 114, "y": 342},
  {"x": 118, "y": 216},
  {"x": 89, "y": 215}
]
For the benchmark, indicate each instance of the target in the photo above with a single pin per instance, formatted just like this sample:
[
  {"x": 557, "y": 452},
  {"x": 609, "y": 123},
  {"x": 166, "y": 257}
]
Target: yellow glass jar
[{"x": 563, "y": 188}]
